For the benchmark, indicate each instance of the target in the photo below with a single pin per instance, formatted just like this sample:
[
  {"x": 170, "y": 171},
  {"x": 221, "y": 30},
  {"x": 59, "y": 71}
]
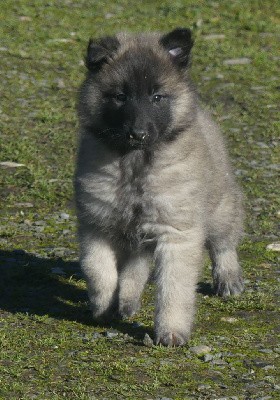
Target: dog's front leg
[
  {"x": 178, "y": 261},
  {"x": 99, "y": 265}
]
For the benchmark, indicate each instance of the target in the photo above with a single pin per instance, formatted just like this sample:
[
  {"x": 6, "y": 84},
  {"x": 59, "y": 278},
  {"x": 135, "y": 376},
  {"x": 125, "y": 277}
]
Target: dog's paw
[
  {"x": 128, "y": 308},
  {"x": 171, "y": 339},
  {"x": 232, "y": 287},
  {"x": 102, "y": 315}
]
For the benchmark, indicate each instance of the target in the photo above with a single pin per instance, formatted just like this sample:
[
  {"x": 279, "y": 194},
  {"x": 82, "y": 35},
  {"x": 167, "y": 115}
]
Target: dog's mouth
[{"x": 138, "y": 141}]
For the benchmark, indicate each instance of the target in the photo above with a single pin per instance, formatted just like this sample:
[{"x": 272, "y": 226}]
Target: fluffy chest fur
[
  {"x": 134, "y": 199},
  {"x": 114, "y": 193},
  {"x": 139, "y": 196}
]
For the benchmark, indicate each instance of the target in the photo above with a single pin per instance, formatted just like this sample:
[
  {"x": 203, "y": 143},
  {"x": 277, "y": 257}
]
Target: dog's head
[{"x": 136, "y": 93}]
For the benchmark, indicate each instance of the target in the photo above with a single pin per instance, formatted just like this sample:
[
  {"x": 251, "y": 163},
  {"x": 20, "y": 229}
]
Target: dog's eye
[
  {"x": 157, "y": 98},
  {"x": 121, "y": 97}
]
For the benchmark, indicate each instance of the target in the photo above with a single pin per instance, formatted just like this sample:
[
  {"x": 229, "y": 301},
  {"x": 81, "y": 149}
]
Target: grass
[{"x": 47, "y": 348}]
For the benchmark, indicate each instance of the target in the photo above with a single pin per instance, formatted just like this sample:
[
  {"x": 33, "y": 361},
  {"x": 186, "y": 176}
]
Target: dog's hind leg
[{"x": 133, "y": 276}]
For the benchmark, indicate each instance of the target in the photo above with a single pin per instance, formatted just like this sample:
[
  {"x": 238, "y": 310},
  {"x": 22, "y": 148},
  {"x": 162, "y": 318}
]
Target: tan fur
[{"x": 189, "y": 197}]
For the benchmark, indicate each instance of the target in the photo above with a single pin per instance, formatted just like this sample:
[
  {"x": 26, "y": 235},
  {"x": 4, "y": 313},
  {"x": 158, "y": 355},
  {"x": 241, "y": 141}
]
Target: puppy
[{"x": 153, "y": 182}]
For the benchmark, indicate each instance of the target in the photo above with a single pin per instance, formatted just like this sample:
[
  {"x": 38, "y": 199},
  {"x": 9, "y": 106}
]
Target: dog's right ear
[{"x": 100, "y": 51}]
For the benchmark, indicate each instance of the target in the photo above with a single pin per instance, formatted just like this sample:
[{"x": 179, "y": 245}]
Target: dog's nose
[{"x": 138, "y": 134}]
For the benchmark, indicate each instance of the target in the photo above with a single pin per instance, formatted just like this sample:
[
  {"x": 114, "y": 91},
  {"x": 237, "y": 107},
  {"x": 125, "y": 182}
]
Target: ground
[{"x": 49, "y": 346}]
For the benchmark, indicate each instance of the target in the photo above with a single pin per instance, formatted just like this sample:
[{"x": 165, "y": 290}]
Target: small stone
[
  {"x": 203, "y": 387},
  {"x": 222, "y": 338},
  {"x": 96, "y": 335},
  {"x": 27, "y": 222},
  {"x": 219, "y": 362},
  {"x": 111, "y": 334},
  {"x": 38, "y": 229},
  {"x": 136, "y": 324},
  {"x": 199, "y": 23},
  {"x": 10, "y": 164},
  {"x": 127, "y": 337},
  {"x": 208, "y": 357},
  {"x": 64, "y": 216},
  {"x": 222, "y": 398},
  {"x": 230, "y": 320},
  {"x": 260, "y": 363},
  {"x": 200, "y": 349},
  {"x": 237, "y": 61},
  {"x": 109, "y": 15},
  {"x": 222, "y": 386},
  {"x": 267, "y": 34},
  {"x": 240, "y": 172},
  {"x": 257, "y": 209},
  {"x": 60, "y": 83},
  {"x": 213, "y": 36},
  {"x": 264, "y": 398},
  {"x": 224, "y": 117},
  {"x": 61, "y": 252},
  {"x": 262, "y": 145},
  {"x": 39, "y": 223},
  {"x": 60, "y": 40},
  {"x": 275, "y": 167},
  {"x": 24, "y": 205},
  {"x": 147, "y": 341},
  {"x": 266, "y": 351},
  {"x": 278, "y": 214},
  {"x": 268, "y": 367},
  {"x": 273, "y": 247},
  {"x": 25, "y": 18}
]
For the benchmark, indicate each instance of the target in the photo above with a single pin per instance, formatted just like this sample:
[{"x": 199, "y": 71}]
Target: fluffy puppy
[{"x": 153, "y": 182}]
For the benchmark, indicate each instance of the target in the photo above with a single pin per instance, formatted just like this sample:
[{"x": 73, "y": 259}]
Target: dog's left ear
[{"x": 178, "y": 43}]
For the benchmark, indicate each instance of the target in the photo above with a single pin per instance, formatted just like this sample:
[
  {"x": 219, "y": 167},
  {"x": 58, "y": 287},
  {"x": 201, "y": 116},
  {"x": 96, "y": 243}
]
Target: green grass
[{"x": 47, "y": 350}]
